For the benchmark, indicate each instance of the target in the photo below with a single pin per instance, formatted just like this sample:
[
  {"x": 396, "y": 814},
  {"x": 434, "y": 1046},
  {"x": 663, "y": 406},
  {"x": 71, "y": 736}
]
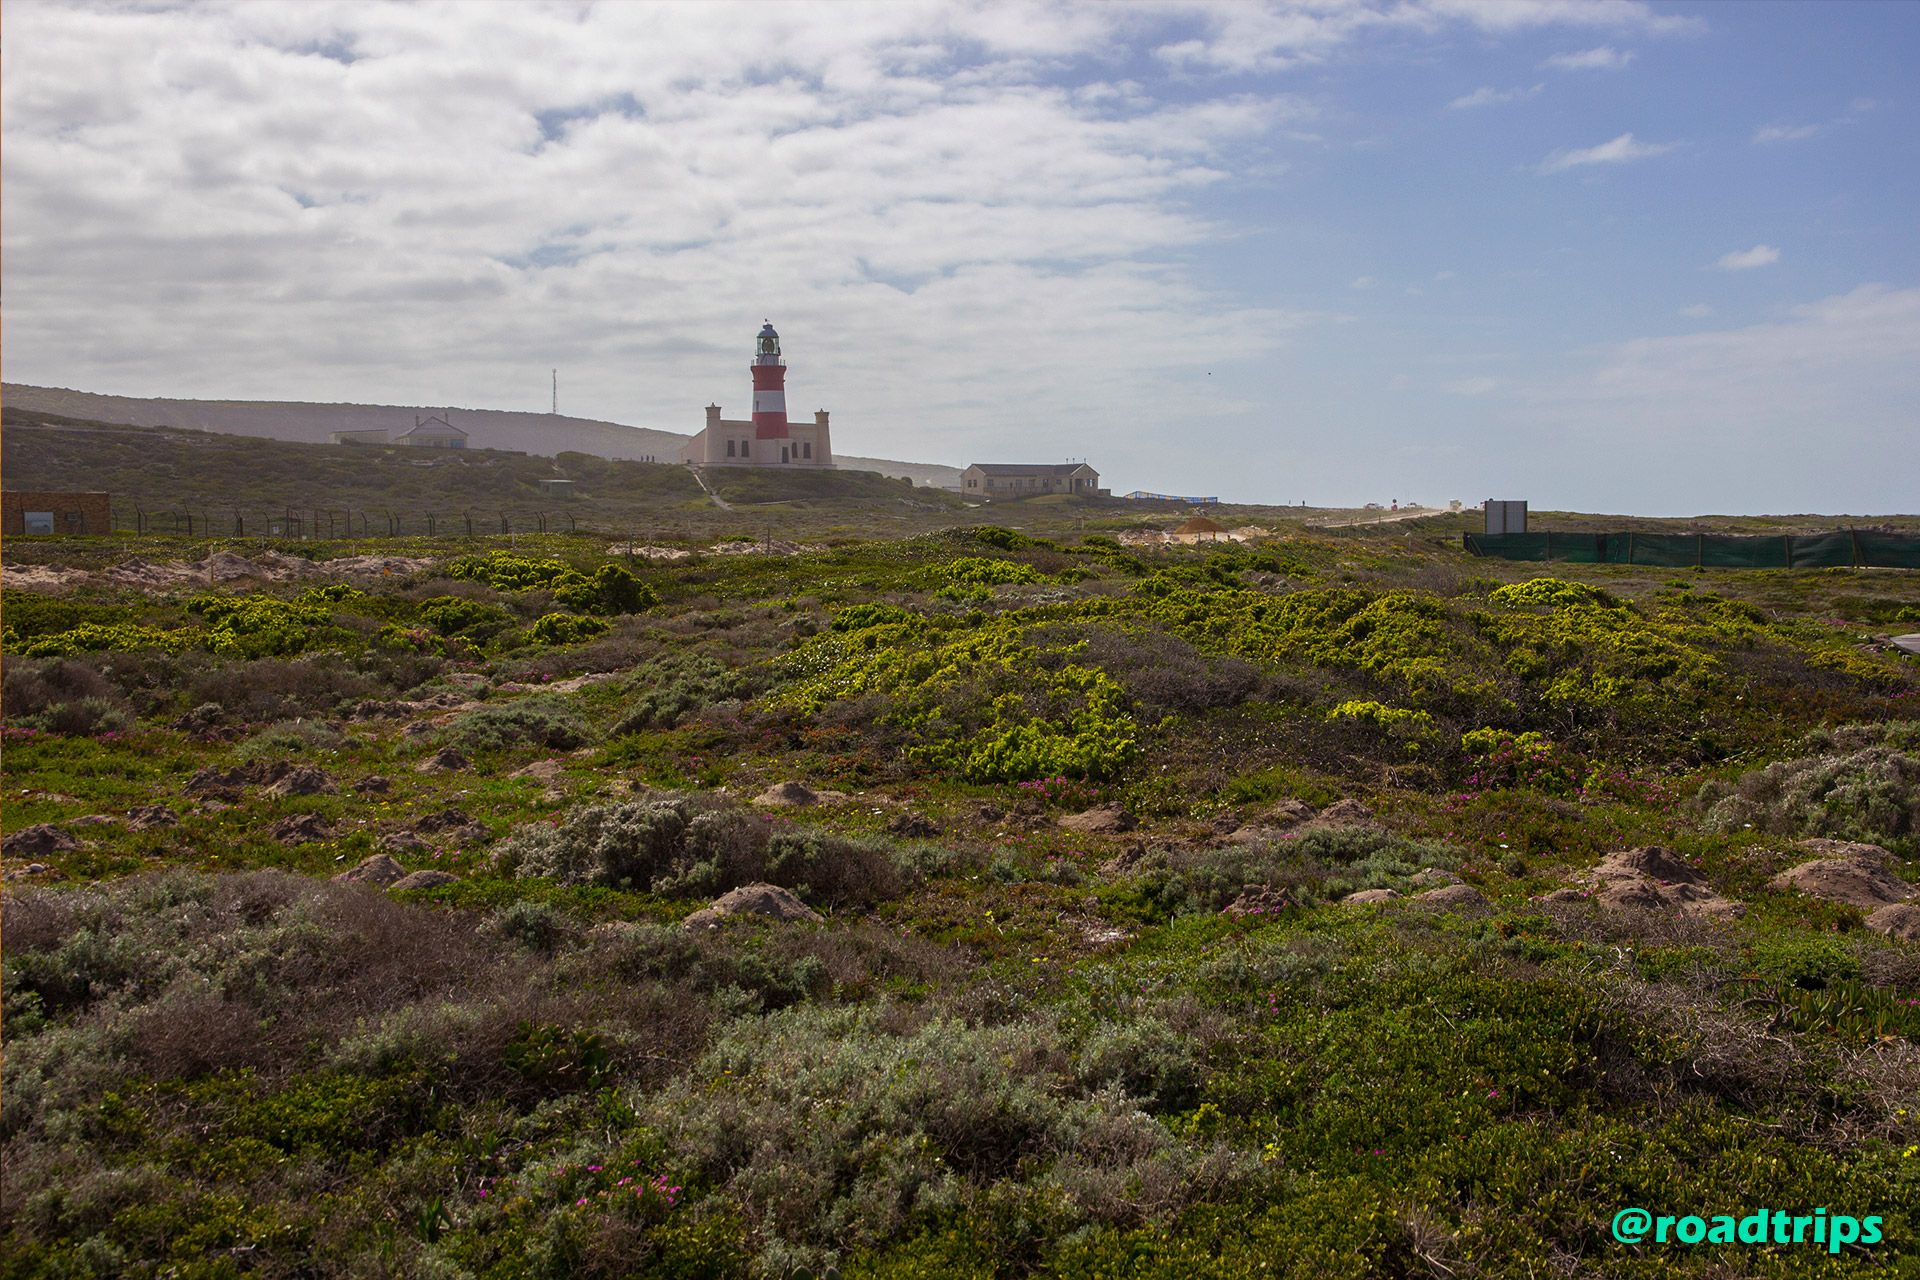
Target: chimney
[{"x": 713, "y": 415}]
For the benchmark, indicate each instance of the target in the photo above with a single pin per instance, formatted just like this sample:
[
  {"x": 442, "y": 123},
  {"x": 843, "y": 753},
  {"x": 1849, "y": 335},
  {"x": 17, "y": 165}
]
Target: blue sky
[{"x": 1626, "y": 257}]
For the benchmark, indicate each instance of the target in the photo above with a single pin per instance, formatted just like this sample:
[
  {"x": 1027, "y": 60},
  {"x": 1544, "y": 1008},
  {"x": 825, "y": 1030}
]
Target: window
[
  {"x": 783, "y": 453},
  {"x": 729, "y": 448},
  {"x": 39, "y": 522},
  {"x": 806, "y": 447},
  {"x": 743, "y": 447}
]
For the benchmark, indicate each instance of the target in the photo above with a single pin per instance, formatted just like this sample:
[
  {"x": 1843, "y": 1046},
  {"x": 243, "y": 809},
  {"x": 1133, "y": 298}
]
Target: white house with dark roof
[
  {"x": 433, "y": 433},
  {"x": 997, "y": 481}
]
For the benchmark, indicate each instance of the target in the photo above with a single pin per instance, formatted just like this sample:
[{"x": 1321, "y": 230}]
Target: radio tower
[
  {"x": 769, "y": 388},
  {"x": 556, "y": 393}
]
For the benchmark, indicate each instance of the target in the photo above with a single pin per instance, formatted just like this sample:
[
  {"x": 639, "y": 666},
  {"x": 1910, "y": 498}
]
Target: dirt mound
[
  {"x": 447, "y": 760},
  {"x": 303, "y": 781},
  {"x": 1261, "y": 900},
  {"x": 1345, "y": 813},
  {"x": 1454, "y": 897},
  {"x": 1650, "y": 879},
  {"x": 1366, "y": 896},
  {"x": 752, "y": 899},
  {"x": 301, "y": 828},
  {"x": 379, "y": 869},
  {"x": 1857, "y": 875},
  {"x": 1897, "y": 920},
  {"x": 1107, "y": 820},
  {"x": 787, "y": 795}
]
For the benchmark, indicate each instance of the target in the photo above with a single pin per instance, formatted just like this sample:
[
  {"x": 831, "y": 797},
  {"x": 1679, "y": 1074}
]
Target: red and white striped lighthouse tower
[{"x": 769, "y": 388}]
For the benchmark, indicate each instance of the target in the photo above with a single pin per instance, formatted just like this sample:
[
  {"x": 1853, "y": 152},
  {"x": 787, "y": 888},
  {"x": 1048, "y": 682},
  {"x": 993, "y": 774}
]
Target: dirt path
[
  {"x": 1384, "y": 517},
  {"x": 718, "y": 501}
]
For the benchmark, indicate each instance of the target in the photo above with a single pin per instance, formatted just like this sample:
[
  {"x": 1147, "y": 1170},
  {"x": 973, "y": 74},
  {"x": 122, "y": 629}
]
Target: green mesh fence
[{"x": 1716, "y": 550}]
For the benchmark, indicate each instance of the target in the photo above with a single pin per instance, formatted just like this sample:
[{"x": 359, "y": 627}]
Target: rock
[
  {"x": 446, "y": 760},
  {"x": 1910, "y": 643},
  {"x": 38, "y": 841},
  {"x": 753, "y": 899},
  {"x": 373, "y": 785},
  {"x": 1897, "y": 920},
  {"x": 1432, "y": 877},
  {"x": 1260, "y": 900},
  {"x": 403, "y": 842},
  {"x": 423, "y": 880},
  {"x": 1857, "y": 875},
  {"x": 1456, "y": 897},
  {"x": 445, "y": 820},
  {"x": 913, "y": 826},
  {"x": 302, "y": 781},
  {"x": 1345, "y": 813},
  {"x": 32, "y": 869},
  {"x": 1107, "y": 820},
  {"x": 379, "y": 869},
  {"x": 1370, "y": 895},
  {"x": 546, "y": 772},
  {"x": 787, "y": 795},
  {"x": 301, "y": 828},
  {"x": 148, "y": 816},
  {"x": 92, "y": 820}
]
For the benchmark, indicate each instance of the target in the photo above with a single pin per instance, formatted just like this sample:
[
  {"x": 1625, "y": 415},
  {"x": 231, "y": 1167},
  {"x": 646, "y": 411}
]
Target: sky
[{"x": 1648, "y": 258}]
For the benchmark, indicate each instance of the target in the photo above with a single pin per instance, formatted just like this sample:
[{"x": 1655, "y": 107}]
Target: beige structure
[
  {"x": 997, "y": 481},
  {"x": 729, "y": 442},
  {"x": 433, "y": 433}
]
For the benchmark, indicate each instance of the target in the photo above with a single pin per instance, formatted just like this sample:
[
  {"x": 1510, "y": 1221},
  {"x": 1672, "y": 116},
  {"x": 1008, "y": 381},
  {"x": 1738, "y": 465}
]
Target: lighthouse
[
  {"x": 767, "y": 439},
  {"x": 769, "y": 388}
]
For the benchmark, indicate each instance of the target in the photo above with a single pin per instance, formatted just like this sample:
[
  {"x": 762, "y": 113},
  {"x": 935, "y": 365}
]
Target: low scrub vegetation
[{"x": 1064, "y": 976}]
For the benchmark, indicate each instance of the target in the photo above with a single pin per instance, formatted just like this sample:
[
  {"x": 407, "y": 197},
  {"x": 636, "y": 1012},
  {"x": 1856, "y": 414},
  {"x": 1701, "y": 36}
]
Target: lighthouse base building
[{"x": 768, "y": 439}]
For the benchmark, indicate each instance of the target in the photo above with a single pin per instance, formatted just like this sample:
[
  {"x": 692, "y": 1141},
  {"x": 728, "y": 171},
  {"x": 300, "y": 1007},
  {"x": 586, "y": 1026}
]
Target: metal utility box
[{"x": 1506, "y": 517}]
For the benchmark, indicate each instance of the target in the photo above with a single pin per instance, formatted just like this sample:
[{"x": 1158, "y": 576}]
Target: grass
[{"x": 1007, "y": 1047}]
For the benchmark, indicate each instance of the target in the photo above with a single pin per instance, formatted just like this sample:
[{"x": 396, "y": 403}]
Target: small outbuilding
[{"x": 52, "y": 511}]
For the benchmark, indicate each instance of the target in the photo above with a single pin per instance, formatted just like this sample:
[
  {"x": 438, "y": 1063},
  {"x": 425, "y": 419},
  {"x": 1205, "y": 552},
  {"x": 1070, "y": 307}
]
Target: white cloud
[
  {"x": 1472, "y": 386},
  {"x": 394, "y": 204},
  {"x": 1364, "y": 282},
  {"x": 1487, "y": 96},
  {"x": 1698, "y": 311},
  {"x": 1783, "y": 133},
  {"x": 1621, "y": 150},
  {"x": 1603, "y": 58},
  {"x": 1761, "y": 255}
]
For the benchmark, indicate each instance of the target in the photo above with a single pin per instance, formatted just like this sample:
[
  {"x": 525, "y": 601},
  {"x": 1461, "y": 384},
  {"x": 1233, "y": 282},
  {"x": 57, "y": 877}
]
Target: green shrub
[
  {"x": 258, "y": 626},
  {"x": 1810, "y": 961},
  {"x": 459, "y": 616},
  {"x": 507, "y": 571},
  {"x": 1549, "y": 592},
  {"x": 613, "y": 589},
  {"x": 565, "y": 628},
  {"x": 95, "y": 637}
]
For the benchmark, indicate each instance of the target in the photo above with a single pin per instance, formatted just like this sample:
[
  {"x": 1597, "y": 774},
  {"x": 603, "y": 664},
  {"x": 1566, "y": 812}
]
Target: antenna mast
[{"x": 556, "y": 393}]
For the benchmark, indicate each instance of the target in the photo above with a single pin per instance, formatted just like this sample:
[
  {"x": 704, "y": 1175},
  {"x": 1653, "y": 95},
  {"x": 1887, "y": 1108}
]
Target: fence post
[
  {"x": 1853, "y": 536},
  {"x": 1699, "y": 550}
]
